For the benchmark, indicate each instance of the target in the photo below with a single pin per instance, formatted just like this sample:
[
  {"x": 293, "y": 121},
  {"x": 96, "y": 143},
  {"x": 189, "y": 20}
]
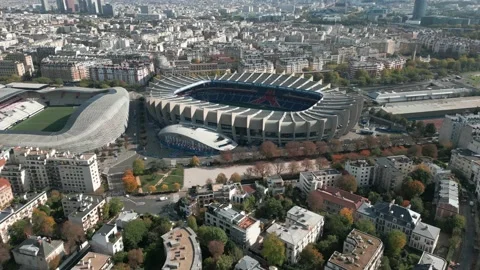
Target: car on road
[{"x": 162, "y": 198}]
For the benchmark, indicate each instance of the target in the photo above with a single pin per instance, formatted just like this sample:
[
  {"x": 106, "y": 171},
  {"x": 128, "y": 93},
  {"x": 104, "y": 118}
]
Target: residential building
[
  {"x": 9, "y": 68},
  {"x": 255, "y": 64},
  {"x": 459, "y": 129},
  {"x": 242, "y": 229},
  {"x": 301, "y": 228},
  {"x": 428, "y": 261},
  {"x": 373, "y": 68},
  {"x": 83, "y": 210},
  {"x": 360, "y": 251},
  {"x": 332, "y": 199},
  {"x": 312, "y": 180},
  {"x": 446, "y": 199},
  {"x": 275, "y": 184},
  {"x": 36, "y": 252},
  {"x": 107, "y": 240},
  {"x": 463, "y": 161},
  {"x": 94, "y": 261},
  {"x": 292, "y": 65},
  {"x": 133, "y": 73},
  {"x": 361, "y": 170},
  {"x": 248, "y": 263},
  {"x": 389, "y": 172},
  {"x": 24, "y": 58},
  {"x": 125, "y": 217},
  {"x": 6, "y": 194},
  {"x": 15, "y": 213},
  {"x": 16, "y": 175},
  {"x": 390, "y": 216},
  {"x": 69, "y": 69},
  {"x": 182, "y": 250}
]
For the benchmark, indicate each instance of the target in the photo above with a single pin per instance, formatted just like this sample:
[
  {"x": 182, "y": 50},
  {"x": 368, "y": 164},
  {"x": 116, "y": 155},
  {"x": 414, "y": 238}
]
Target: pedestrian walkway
[
  {"x": 164, "y": 176},
  {"x": 139, "y": 183}
]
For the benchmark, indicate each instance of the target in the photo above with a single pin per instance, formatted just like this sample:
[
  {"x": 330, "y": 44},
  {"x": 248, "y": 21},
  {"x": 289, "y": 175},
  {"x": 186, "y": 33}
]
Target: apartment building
[
  {"x": 312, "y": 180},
  {"x": 373, "y": 68},
  {"x": 459, "y": 129},
  {"x": 36, "y": 253},
  {"x": 16, "y": 175},
  {"x": 292, "y": 65},
  {"x": 242, "y": 229},
  {"x": 360, "y": 251},
  {"x": 94, "y": 261},
  {"x": 428, "y": 261},
  {"x": 6, "y": 194},
  {"x": 9, "y": 68},
  {"x": 25, "y": 59},
  {"x": 248, "y": 263},
  {"x": 301, "y": 228},
  {"x": 361, "y": 170},
  {"x": 18, "y": 212},
  {"x": 255, "y": 64},
  {"x": 332, "y": 199},
  {"x": 464, "y": 160},
  {"x": 182, "y": 250},
  {"x": 107, "y": 240},
  {"x": 390, "y": 216},
  {"x": 446, "y": 198},
  {"x": 83, "y": 210},
  {"x": 275, "y": 184},
  {"x": 69, "y": 69},
  {"x": 389, "y": 172},
  {"x": 133, "y": 73}
]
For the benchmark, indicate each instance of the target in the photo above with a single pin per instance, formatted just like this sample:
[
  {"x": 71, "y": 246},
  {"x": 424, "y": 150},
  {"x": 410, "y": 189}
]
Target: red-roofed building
[
  {"x": 6, "y": 194},
  {"x": 332, "y": 200}
]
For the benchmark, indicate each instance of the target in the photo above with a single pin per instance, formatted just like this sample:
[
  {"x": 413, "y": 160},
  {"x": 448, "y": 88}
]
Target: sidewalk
[
  {"x": 139, "y": 183},
  {"x": 163, "y": 177}
]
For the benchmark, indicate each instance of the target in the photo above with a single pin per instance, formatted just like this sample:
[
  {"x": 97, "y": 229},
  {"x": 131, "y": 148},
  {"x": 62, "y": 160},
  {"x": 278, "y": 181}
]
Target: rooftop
[
  {"x": 37, "y": 246},
  {"x": 426, "y": 230},
  {"x": 182, "y": 250},
  {"x": 248, "y": 263},
  {"x": 431, "y": 260},
  {"x": 447, "y": 192},
  {"x": 440, "y": 106},
  {"x": 93, "y": 261},
  {"x": 246, "y": 222}
]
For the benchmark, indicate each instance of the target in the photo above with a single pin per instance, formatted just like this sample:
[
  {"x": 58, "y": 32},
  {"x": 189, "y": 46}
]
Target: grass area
[
  {"x": 176, "y": 176},
  {"x": 51, "y": 119},
  {"x": 150, "y": 179}
]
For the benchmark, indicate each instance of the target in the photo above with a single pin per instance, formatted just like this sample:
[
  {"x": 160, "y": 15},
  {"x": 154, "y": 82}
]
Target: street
[
  {"x": 467, "y": 252},
  {"x": 149, "y": 204}
]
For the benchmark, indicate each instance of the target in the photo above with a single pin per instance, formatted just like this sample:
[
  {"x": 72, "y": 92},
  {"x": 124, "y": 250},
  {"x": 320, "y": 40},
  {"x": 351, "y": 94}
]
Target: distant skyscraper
[
  {"x": 44, "y": 5},
  {"x": 108, "y": 10},
  {"x": 82, "y": 6},
  {"x": 100, "y": 5},
  {"x": 92, "y": 7},
  {"x": 144, "y": 9},
  {"x": 70, "y": 6},
  {"x": 419, "y": 9},
  {"x": 61, "y": 6}
]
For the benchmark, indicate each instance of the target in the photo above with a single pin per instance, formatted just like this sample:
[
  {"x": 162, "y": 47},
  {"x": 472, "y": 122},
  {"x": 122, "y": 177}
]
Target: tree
[
  {"x": 348, "y": 183},
  {"x": 272, "y": 208},
  {"x": 121, "y": 266},
  {"x": 314, "y": 201},
  {"x": 209, "y": 233},
  {"x": 336, "y": 145},
  {"x": 42, "y": 224},
  {"x": 138, "y": 167},
  {"x": 374, "y": 197},
  {"x": 129, "y": 182},
  {"x": 413, "y": 188},
  {"x": 278, "y": 166},
  {"x": 337, "y": 225},
  {"x": 365, "y": 226},
  {"x": 58, "y": 81},
  {"x": 293, "y": 149},
  {"x": 384, "y": 141},
  {"x": 53, "y": 264},
  {"x": 216, "y": 248},
  {"x": 273, "y": 250},
  {"x": 268, "y": 149},
  {"x": 224, "y": 262},
  {"x": 293, "y": 167},
  {"x": 417, "y": 204},
  {"x": 452, "y": 222},
  {"x": 322, "y": 147},
  {"x": 227, "y": 156},
  {"x": 348, "y": 214},
  {"x": 4, "y": 253},
  {"x": 430, "y": 129},
  {"x": 328, "y": 245},
  {"x": 322, "y": 162},
  {"x": 307, "y": 164},
  {"x": 415, "y": 151},
  {"x": 164, "y": 187},
  {"x": 133, "y": 233},
  {"x": 396, "y": 240},
  {"x": 176, "y": 186},
  {"x": 430, "y": 150},
  {"x": 115, "y": 206},
  {"x": 262, "y": 169},
  {"x": 192, "y": 223},
  {"x": 151, "y": 188},
  {"x": 422, "y": 173},
  {"x": 221, "y": 178},
  {"x": 19, "y": 231},
  {"x": 195, "y": 161},
  {"x": 310, "y": 258},
  {"x": 235, "y": 178},
  {"x": 249, "y": 203},
  {"x": 135, "y": 258},
  {"x": 72, "y": 234},
  {"x": 309, "y": 148}
]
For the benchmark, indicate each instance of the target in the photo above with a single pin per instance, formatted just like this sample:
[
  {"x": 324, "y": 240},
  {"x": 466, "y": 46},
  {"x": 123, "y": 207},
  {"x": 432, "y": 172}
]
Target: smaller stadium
[
  {"x": 248, "y": 109},
  {"x": 67, "y": 119}
]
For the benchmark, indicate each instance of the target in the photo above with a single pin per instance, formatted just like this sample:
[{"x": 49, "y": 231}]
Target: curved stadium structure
[
  {"x": 253, "y": 107},
  {"x": 100, "y": 117}
]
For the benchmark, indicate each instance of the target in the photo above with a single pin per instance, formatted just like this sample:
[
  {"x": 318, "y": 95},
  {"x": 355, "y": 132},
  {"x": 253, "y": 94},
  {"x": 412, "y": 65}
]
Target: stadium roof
[
  {"x": 27, "y": 86},
  {"x": 206, "y": 136}
]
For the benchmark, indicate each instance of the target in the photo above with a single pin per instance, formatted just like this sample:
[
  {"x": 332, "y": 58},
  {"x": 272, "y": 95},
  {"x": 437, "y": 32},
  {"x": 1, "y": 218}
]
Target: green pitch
[{"x": 51, "y": 119}]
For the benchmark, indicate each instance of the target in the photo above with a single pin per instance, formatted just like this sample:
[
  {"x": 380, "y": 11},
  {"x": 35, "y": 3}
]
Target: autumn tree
[
  {"x": 336, "y": 145},
  {"x": 322, "y": 162},
  {"x": 4, "y": 253},
  {"x": 164, "y": 187},
  {"x": 396, "y": 241},
  {"x": 348, "y": 183},
  {"x": 414, "y": 151},
  {"x": 72, "y": 234},
  {"x": 293, "y": 149},
  {"x": 138, "y": 167},
  {"x": 262, "y": 169},
  {"x": 216, "y": 248},
  {"x": 348, "y": 214},
  {"x": 135, "y": 258},
  {"x": 307, "y": 164},
  {"x": 195, "y": 161},
  {"x": 54, "y": 263},
  {"x": 371, "y": 141},
  {"x": 422, "y": 173},
  {"x": 176, "y": 186},
  {"x": 293, "y": 167},
  {"x": 413, "y": 188},
  {"x": 268, "y": 149},
  {"x": 221, "y": 178},
  {"x": 42, "y": 224},
  {"x": 314, "y": 201},
  {"x": 384, "y": 141},
  {"x": 273, "y": 250},
  {"x": 309, "y": 148},
  {"x": 278, "y": 166},
  {"x": 310, "y": 258},
  {"x": 151, "y": 188},
  {"x": 430, "y": 150},
  {"x": 129, "y": 182},
  {"x": 226, "y": 156},
  {"x": 235, "y": 178},
  {"x": 322, "y": 147}
]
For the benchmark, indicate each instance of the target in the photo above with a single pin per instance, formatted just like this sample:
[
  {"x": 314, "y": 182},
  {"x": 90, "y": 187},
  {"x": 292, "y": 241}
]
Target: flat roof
[
  {"x": 436, "y": 105},
  {"x": 27, "y": 86},
  {"x": 94, "y": 260},
  {"x": 182, "y": 250}
]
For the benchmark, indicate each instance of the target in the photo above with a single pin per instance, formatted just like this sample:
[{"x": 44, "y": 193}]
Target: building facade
[
  {"x": 312, "y": 180},
  {"x": 37, "y": 252},
  {"x": 133, "y": 73},
  {"x": 107, "y": 240},
  {"x": 332, "y": 200},
  {"x": 6, "y": 194},
  {"x": 389, "y": 172},
  {"x": 362, "y": 171},
  {"x": 83, "y": 210}
]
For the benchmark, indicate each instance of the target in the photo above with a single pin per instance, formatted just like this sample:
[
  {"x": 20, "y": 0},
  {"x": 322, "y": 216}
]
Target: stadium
[
  {"x": 249, "y": 108},
  {"x": 66, "y": 119}
]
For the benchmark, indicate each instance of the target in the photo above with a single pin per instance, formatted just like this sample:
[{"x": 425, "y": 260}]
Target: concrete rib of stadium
[
  {"x": 100, "y": 119},
  {"x": 254, "y": 107}
]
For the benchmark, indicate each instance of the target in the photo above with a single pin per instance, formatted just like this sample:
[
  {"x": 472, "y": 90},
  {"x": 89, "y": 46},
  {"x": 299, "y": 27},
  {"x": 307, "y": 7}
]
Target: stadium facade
[
  {"x": 254, "y": 107},
  {"x": 101, "y": 117}
]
